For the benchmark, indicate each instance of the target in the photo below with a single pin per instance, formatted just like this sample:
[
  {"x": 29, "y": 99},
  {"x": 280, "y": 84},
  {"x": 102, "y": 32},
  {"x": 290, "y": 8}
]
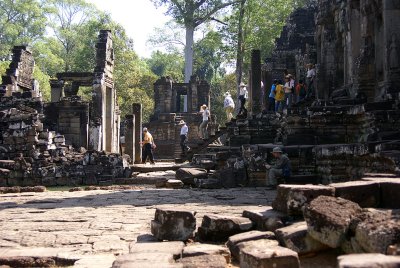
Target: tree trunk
[
  {"x": 189, "y": 52},
  {"x": 239, "y": 49}
]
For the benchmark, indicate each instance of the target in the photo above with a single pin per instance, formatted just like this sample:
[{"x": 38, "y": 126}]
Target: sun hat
[
  {"x": 204, "y": 106},
  {"x": 181, "y": 122},
  {"x": 277, "y": 150},
  {"x": 227, "y": 94},
  {"x": 242, "y": 84},
  {"x": 145, "y": 129}
]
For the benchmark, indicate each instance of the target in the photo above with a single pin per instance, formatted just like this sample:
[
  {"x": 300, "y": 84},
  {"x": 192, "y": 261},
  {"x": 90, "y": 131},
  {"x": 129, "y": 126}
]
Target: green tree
[
  {"x": 21, "y": 22},
  {"x": 191, "y": 14},
  {"x": 167, "y": 64}
]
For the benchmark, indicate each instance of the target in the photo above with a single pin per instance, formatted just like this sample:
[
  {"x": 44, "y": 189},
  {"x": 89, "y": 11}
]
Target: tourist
[
  {"x": 301, "y": 91},
  {"x": 288, "y": 93},
  {"x": 281, "y": 169},
  {"x": 292, "y": 85},
  {"x": 184, "y": 136},
  {"x": 148, "y": 146},
  {"x": 229, "y": 106},
  {"x": 243, "y": 95},
  {"x": 310, "y": 79},
  {"x": 271, "y": 97},
  {"x": 204, "y": 124},
  {"x": 279, "y": 97}
]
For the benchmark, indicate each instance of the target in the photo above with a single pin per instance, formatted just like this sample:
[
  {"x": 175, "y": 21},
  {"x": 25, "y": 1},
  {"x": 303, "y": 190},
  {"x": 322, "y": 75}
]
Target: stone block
[
  {"x": 266, "y": 218},
  {"x": 145, "y": 260},
  {"x": 291, "y": 199},
  {"x": 364, "y": 193},
  {"x": 203, "y": 261},
  {"x": 390, "y": 197},
  {"x": 173, "y": 225},
  {"x": 370, "y": 260},
  {"x": 207, "y": 249},
  {"x": 175, "y": 248},
  {"x": 234, "y": 240},
  {"x": 377, "y": 229},
  {"x": 188, "y": 175},
  {"x": 174, "y": 184},
  {"x": 296, "y": 238},
  {"x": 328, "y": 219},
  {"x": 220, "y": 228},
  {"x": 259, "y": 255},
  {"x": 146, "y": 238}
]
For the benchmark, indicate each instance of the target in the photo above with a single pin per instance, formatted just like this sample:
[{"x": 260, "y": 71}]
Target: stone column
[
  {"x": 256, "y": 82},
  {"x": 391, "y": 15},
  {"x": 130, "y": 136},
  {"x": 137, "y": 113},
  {"x": 56, "y": 90}
]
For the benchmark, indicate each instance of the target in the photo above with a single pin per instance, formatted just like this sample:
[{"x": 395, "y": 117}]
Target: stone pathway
[{"x": 106, "y": 222}]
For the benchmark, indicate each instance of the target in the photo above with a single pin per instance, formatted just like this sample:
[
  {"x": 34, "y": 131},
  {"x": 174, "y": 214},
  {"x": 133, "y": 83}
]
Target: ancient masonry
[{"x": 68, "y": 141}]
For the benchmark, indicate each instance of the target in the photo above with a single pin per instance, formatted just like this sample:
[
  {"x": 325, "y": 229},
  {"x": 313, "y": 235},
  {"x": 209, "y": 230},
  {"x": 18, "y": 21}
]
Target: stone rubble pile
[
  {"x": 305, "y": 220},
  {"x": 31, "y": 155}
]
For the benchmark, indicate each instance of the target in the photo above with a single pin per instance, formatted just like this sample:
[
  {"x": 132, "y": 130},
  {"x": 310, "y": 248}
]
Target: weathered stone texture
[
  {"x": 266, "y": 219},
  {"x": 368, "y": 261},
  {"x": 291, "y": 199},
  {"x": 328, "y": 219},
  {"x": 235, "y": 240},
  {"x": 365, "y": 194},
  {"x": 173, "y": 225},
  {"x": 206, "y": 249}
]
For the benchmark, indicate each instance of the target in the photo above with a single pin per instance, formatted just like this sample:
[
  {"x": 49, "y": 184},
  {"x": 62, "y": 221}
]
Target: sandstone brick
[
  {"x": 220, "y": 228},
  {"x": 206, "y": 249},
  {"x": 368, "y": 261},
  {"x": 203, "y": 261},
  {"x": 145, "y": 260},
  {"x": 255, "y": 255},
  {"x": 266, "y": 218},
  {"x": 173, "y": 225},
  {"x": 175, "y": 248},
  {"x": 364, "y": 193},
  {"x": 328, "y": 219},
  {"x": 234, "y": 240},
  {"x": 291, "y": 199},
  {"x": 296, "y": 238}
]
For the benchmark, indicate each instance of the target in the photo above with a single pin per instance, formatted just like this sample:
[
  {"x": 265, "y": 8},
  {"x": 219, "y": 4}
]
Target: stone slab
[
  {"x": 173, "y": 225},
  {"x": 206, "y": 249},
  {"x": 328, "y": 219},
  {"x": 221, "y": 227},
  {"x": 145, "y": 260},
  {"x": 296, "y": 238},
  {"x": 365, "y": 193},
  {"x": 370, "y": 260},
  {"x": 266, "y": 218},
  {"x": 389, "y": 189},
  {"x": 234, "y": 240},
  {"x": 175, "y": 248},
  {"x": 203, "y": 261},
  {"x": 255, "y": 255},
  {"x": 291, "y": 199}
]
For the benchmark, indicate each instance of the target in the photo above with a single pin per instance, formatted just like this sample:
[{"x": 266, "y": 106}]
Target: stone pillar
[
  {"x": 256, "y": 82},
  {"x": 130, "y": 136},
  {"x": 56, "y": 90},
  {"x": 137, "y": 113},
  {"x": 391, "y": 15}
]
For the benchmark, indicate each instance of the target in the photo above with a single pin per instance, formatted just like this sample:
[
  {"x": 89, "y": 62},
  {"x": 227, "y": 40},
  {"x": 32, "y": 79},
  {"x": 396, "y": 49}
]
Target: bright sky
[{"x": 139, "y": 18}]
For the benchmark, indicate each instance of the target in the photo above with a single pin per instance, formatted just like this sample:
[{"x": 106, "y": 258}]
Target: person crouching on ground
[
  {"x": 204, "y": 124},
  {"x": 281, "y": 169},
  {"x": 148, "y": 146},
  {"x": 229, "y": 106},
  {"x": 184, "y": 136}
]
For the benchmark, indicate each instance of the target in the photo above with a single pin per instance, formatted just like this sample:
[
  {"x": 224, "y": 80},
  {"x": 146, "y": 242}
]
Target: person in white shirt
[
  {"x": 204, "y": 124},
  {"x": 243, "y": 95},
  {"x": 229, "y": 106},
  {"x": 184, "y": 136},
  {"x": 310, "y": 79}
]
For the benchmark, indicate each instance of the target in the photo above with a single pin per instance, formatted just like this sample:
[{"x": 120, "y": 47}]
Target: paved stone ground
[{"x": 106, "y": 222}]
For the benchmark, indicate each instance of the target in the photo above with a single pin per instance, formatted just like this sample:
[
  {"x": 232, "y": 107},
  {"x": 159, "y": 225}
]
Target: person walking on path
[
  {"x": 148, "y": 146},
  {"x": 243, "y": 95},
  {"x": 279, "y": 97},
  {"x": 204, "y": 124},
  {"x": 229, "y": 106},
  {"x": 184, "y": 136},
  {"x": 271, "y": 97},
  {"x": 310, "y": 79},
  {"x": 281, "y": 169}
]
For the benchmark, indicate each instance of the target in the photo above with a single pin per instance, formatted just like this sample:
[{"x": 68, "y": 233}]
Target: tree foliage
[{"x": 167, "y": 64}]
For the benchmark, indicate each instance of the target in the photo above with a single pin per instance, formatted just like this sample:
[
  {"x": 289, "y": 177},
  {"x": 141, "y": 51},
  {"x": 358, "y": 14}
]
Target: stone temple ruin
[{"x": 68, "y": 141}]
